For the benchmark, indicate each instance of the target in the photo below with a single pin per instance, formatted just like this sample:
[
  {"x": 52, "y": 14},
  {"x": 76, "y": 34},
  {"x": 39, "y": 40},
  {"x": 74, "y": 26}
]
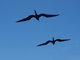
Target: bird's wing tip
[
  {"x": 67, "y": 39},
  {"x": 38, "y": 45},
  {"x": 16, "y": 21},
  {"x": 58, "y": 14}
]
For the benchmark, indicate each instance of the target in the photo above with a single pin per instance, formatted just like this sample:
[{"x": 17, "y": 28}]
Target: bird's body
[
  {"x": 53, "y": 41},
  {"x": 37, "y": 16}
]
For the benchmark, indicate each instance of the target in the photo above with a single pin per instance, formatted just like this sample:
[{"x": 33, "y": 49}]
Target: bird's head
[
  {"x": 35, "y": 12},
  {"x": 53, "y": 38}
]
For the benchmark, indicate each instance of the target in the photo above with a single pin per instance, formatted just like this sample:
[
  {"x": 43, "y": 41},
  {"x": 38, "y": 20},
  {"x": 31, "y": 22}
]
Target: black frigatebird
[
  {"x": 37, "y": 16},
  {"x": 53, "y": 41}
]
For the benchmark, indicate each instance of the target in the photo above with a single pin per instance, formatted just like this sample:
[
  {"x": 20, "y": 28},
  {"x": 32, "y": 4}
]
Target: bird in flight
[
  {"x": 37, "y": 16},
  {"x": 53, "y": 41}
]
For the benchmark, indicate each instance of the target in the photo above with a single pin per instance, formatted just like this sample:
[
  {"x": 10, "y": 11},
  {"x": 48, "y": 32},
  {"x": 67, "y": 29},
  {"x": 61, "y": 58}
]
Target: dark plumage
[
  {"x": 53, "y": 41},
  {"x": 37, "y": 16}
]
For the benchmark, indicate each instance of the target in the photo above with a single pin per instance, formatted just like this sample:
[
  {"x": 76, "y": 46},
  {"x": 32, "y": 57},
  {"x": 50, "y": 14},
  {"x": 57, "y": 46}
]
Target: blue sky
[{"x": 18, "y": 40}]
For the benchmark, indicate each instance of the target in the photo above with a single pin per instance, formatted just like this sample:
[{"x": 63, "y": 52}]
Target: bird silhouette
[
  {"x": 53, "y": 41},
  {"x": 37, "y": 16}
]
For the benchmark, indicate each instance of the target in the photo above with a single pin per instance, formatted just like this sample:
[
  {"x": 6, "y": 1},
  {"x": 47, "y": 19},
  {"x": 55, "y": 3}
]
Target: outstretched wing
[
  {"x": 44, "y": 43},
  {"x": 25, "y": 19},
  {"x": 61, "y": 40},
  {"x": 48, "y": 15}
]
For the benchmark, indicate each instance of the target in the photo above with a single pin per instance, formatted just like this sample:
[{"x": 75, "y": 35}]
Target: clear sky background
[{"x": 18, "y": 40}]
